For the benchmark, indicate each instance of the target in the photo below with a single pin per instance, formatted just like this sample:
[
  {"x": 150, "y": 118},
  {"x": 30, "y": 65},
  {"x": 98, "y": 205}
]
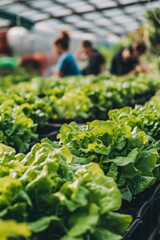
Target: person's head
[
  {"x": 61, "y": 44},
  {"x": 87, "y": 47},
  {"x": 139, "y": 48}
]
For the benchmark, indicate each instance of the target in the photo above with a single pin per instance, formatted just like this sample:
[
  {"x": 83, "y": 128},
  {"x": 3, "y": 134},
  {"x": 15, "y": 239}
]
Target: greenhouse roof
[{"x": 97, "y": 17}]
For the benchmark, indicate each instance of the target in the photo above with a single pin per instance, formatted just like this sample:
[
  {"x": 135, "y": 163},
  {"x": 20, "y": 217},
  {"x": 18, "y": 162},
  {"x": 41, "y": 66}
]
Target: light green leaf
[
  {"x": 118, "y": 223},
  {"x": 6, "y": 153},
  {"x": 42, "y": 223},
  {"x": 104, "y": 234},
  {"x": 123, "y": 161},
  {"x": 105, "y": 193},
  {"x": 142, "y": 183},
  {"x": 10, "y": 228},
  {"x": 82, "y": 222},
  {"x": 94, "y": 169},
  {"x": 147, "y": 162}
]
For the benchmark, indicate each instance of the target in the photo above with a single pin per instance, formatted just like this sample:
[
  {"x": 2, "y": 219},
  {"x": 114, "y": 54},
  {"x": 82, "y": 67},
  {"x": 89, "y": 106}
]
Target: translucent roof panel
[
  {"x": 16, "y": 8},
  {"x": 57, "y": 10},
  {"x": 127, "y": 1},
  {"x": 119, "y": 30},
  {"x": 132, "y": 27},
  {"x": 80, "y": 6},
  {"x": 34, "y": 15},
  {"x": 134, "y": 9},
  {"x": 92, "y": 16},
  {"x": 73, "y": 19},
  {"x": 84, "y": 24},
  {"x": 122, "y": 19},
  {"x": 155, "y": 4},
  {"x": 100, "y": 31},
  {"x": 62, "y": 13},
  {"x": 112, "y": 38},
  {"x": 4, "y": 22},
  {"x": 84, "y": 9},
  {"x": 104, "y": 4},
  {"x": 103, "y": 22},
  {"x": 113, "y": 12},
  {"x": 66, "y": 1},
  {"x": 86, "y": 35},
  {"x": 41, "y": 4},
  {"x": 110, "y": 18},
  {"x": 5, "y": 2}
]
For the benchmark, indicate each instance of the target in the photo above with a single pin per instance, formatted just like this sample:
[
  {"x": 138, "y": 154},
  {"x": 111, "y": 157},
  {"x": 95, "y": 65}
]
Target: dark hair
[
  {"x": 63, "y": 40},
  {"x": 140, "y": 46},
  {"x": 87, "y": 44}
]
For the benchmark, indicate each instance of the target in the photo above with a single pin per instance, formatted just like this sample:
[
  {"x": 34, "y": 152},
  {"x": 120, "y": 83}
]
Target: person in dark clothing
[
  {"x": 96, "y": 63},
  {"x": 126, "y": 61}
]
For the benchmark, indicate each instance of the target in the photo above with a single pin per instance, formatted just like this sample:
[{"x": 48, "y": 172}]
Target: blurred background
[{"x": 29, "y": 27}]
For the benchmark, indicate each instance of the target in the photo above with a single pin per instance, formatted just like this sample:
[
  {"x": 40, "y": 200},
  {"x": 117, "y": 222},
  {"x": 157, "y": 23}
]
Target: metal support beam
[{"x": 25, "y": 22}]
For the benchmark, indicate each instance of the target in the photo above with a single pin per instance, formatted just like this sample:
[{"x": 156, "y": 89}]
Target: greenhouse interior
[{"x": 79, "y": 120}]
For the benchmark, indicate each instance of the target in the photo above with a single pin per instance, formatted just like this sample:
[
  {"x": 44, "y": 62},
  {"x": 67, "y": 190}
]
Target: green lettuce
[
  {"x": 119, "y": 148},
  {"x": 57, "y": 200}
]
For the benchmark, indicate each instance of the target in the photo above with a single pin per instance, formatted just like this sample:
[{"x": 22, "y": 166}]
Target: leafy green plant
[
  {"x": 126, "y": 146},
  {"x": 153, "y": 18},
  {"x": 16, "y": 129},
  {"x": 146, "y": 117},
  {"x": 79, "y": 98},
  {"x": 38, "y": 101},
  {"x": 119, "y": 149},
  {"x": 58, "y": 200},
  {"x": 16, "y": 76}
]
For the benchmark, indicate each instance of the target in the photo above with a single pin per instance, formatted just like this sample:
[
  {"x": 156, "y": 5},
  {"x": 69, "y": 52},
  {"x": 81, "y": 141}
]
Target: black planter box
[
  {"x": 146, "y": 225},
  {"x": 50, "y": 131},
  {"x": 133, "y": 233},
  {"x": 47, "y": 129},
  {"x": 51, "y": 136}
]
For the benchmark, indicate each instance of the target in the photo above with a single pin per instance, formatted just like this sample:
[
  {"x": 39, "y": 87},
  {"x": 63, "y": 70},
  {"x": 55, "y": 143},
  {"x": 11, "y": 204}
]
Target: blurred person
[
  {"x": 127, "y": 60},
  {"x": 67, "y": 65},
  {"x": 96, "y": 61},
  {"x": 30, "y": 64},
  {"x": 5, "y": 49}
]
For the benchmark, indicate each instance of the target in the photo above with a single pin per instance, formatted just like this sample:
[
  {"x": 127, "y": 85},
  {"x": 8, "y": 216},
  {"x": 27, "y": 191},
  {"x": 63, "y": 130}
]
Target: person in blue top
[{"x": 67, "y": 65}]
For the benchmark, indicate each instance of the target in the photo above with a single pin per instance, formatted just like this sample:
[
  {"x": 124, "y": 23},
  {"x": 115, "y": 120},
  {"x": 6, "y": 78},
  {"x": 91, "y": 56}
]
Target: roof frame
[{"x": 119, "y": 5}]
